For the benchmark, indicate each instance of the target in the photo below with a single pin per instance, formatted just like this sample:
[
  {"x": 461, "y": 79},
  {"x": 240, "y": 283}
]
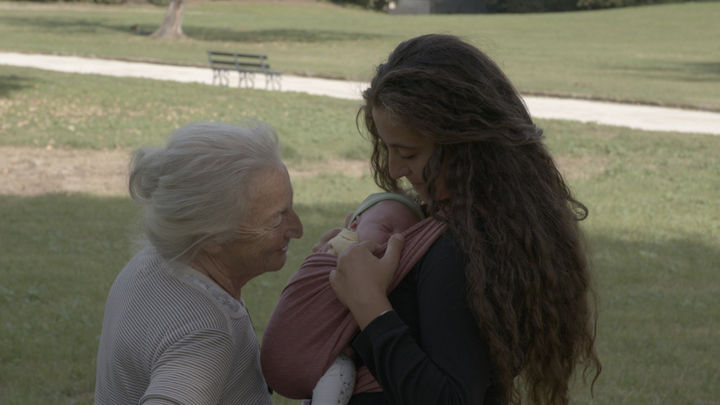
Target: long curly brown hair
[{"x": 509, "y": 209}]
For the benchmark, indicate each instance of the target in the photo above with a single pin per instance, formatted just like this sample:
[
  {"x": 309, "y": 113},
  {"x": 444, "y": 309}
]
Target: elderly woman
[{"x": 218, "y": 212}]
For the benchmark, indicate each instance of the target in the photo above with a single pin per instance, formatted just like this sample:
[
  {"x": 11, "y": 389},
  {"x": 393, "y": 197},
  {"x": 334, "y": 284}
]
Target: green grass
[
  {"x": 59, "y": 257},
  {"x": 653, "y": 230},
  {"x": 666, "y": 54},
  {"x": 653, "y": 197},
  {"x": 65, "y": 110}
]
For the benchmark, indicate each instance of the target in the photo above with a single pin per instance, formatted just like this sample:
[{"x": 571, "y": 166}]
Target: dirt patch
[
  {"x": 32, "y": 171},
  {"x": 582, "y": 167},
  {"x": 29, "y": 171},
  {"x": 350, "y": 168}
]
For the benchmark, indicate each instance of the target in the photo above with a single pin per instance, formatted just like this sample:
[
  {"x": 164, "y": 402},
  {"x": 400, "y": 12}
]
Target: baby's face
[{"x": 382, "y": 220}]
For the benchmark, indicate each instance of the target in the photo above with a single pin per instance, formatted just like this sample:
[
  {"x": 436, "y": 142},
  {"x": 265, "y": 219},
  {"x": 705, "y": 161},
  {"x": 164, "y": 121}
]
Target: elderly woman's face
[{"x": 271, "y": 223}]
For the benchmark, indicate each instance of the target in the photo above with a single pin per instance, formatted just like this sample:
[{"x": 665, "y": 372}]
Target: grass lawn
[
  {"x": 665, "y": 54},
  {"x": 653, "y": 230},
  {"x": 654, "y": 225}
]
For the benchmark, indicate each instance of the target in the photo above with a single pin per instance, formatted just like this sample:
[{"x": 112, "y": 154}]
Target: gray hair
[{"x": 194, "y": 190}]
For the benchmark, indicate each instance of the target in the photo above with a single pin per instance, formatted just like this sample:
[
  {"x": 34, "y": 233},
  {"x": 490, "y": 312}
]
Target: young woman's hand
[{"x": 361, "y": 280}]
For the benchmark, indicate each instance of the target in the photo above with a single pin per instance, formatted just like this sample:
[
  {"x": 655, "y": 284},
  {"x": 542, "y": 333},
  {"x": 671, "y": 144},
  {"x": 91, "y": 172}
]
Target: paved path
[{"x": 633, "y": 116}]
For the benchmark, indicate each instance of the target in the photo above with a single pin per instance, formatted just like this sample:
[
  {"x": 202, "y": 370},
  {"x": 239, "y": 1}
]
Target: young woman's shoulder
[{"x": 443, "y": 260}]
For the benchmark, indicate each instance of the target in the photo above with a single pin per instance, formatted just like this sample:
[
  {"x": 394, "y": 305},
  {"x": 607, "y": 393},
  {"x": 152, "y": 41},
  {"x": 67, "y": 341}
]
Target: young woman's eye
[{"x": 407, "y": 157}]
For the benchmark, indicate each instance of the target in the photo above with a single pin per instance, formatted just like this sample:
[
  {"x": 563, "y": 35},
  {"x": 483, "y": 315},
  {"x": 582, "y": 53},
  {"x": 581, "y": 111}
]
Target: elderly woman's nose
[{"x": 295, "y": 228}]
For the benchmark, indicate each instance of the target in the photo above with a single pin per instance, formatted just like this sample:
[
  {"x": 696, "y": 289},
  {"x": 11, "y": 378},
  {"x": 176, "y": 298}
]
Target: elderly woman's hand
[{"x": 361, "y": 280}]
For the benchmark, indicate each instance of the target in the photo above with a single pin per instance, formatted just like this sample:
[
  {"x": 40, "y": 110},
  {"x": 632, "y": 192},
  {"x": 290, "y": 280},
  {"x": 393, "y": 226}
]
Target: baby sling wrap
[{"x": 310, "y": 326}]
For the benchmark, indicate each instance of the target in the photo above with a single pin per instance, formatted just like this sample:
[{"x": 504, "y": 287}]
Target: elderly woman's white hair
[{"x": 194, "y": 190}]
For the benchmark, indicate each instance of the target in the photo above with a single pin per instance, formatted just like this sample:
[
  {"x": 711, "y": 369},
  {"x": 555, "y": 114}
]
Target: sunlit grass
[
  {"x": 663, "y": 54},
  {"x": 94, "y": 112}
]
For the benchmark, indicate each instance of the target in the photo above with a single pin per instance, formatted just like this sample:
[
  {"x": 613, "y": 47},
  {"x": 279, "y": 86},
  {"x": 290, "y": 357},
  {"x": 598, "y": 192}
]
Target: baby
[
  {"x": 377, "y": 218},
  {"x": 310, "y": 327}
]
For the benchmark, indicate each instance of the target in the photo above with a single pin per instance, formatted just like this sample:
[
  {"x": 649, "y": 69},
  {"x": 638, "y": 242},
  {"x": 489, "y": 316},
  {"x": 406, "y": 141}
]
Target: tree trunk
[{"x": 172, "y": 24}]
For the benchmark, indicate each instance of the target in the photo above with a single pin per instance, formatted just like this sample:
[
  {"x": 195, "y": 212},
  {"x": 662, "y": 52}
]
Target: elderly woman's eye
[{"x": 275, "y": 221}]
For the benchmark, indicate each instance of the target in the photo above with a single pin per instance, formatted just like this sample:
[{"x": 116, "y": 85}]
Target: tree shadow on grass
[
  {"x": 60, "y": 255},
  {"x": 657, "y": 307},
  {"x": 274, "y": 35},
  {"x": 13, "y": 83},
  {"x": 679, "y": 71},
  {"x": 199, "y": 33},
  {"x": 61, "y": 227},
  {"x": 92, "y": 237},
  {"x": 62, "y": 252},
  {"x": 642, "y": 275},
  {"x": 63, "y": 25},
  {"x": 203, "y": 33}
]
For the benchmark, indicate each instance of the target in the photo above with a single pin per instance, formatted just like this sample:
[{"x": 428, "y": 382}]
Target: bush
[
  {"x": 530, "y": 6},
  {"x": 538, "y": 6},
  {"x": 379, "y": 5},
  {"x": 595, "y": 4}
]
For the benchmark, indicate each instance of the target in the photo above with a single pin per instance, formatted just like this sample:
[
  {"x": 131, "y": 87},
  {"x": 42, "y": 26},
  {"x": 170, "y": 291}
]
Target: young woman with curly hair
[{"x": 500, "y": 308}]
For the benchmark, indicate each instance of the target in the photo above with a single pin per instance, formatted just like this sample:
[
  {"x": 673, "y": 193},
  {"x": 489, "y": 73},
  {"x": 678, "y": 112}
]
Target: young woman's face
[{"x": 408, "y": 151}]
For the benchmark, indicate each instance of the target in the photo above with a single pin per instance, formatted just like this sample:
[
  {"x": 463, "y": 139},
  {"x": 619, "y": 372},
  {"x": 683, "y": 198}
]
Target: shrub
[
  {"x": 595, "y": 4},
  {"x": 379, "y": 5}
]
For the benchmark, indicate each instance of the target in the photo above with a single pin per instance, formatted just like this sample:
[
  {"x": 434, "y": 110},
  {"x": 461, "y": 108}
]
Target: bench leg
[
  {"x": 246, "y": 79},
  {"x": 222, "y": 77},
  {"x": 273, "y": 82}
]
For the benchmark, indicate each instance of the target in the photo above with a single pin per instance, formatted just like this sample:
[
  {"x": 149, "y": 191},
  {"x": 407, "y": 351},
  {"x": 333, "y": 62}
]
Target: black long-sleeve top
[{"x": 429, "y": 350}]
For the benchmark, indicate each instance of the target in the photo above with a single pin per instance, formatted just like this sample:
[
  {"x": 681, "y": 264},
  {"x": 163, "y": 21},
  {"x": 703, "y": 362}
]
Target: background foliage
[
  {"x": 493, "y": 6},
  {"x": 539, "y": 6}
]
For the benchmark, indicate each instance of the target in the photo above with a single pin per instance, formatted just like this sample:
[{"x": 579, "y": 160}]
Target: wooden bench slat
[
  {"x": 244, "y": 64},
  {"x": 233, "y": 64},
  {"x": 239, "y": 55}
]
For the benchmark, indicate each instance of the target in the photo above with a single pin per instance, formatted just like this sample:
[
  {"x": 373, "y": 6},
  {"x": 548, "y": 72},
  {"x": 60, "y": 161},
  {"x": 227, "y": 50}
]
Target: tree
[{"x": 171, "y": 26}]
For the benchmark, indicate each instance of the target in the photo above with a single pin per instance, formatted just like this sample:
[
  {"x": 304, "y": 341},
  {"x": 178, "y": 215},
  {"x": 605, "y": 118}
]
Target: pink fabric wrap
[{"x": 310, "y": 327}]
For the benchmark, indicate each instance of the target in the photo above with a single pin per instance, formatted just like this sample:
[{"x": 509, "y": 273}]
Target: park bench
[{"x": 247, "y": 65}]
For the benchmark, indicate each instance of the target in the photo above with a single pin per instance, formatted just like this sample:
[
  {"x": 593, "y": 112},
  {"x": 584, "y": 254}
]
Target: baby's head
[{"x": 383, "y": 214}]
